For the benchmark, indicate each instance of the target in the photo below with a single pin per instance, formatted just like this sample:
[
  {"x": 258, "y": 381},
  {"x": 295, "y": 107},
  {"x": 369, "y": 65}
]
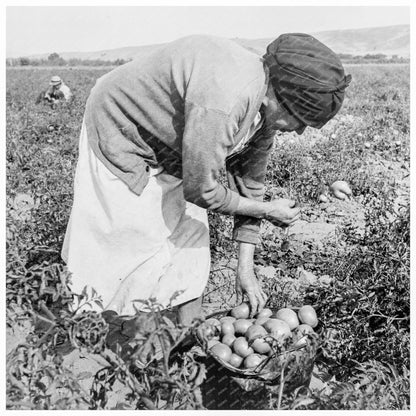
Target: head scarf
[{"x": 307, "y": 77}]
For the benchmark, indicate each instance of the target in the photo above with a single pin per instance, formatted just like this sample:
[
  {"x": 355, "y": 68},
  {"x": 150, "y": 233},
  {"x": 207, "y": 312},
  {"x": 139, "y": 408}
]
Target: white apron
[{"x": 129, "y": 247}]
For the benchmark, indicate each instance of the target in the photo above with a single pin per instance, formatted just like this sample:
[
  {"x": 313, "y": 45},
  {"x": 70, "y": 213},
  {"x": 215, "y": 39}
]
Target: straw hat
[{"x": 55, "y": 80}]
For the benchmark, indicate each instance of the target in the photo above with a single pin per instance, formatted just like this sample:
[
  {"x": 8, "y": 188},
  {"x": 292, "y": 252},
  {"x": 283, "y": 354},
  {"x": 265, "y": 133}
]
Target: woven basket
[{"x": 292, "y": 365}]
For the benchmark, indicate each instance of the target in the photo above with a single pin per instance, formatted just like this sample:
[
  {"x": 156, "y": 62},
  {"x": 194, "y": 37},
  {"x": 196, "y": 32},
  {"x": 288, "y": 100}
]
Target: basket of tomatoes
[{"x": 273, "y": 346}]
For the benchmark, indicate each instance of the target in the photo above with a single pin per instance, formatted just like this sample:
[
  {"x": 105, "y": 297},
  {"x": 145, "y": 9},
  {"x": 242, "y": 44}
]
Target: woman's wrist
[
  {"x": 252, "y": 208},
  {"x": 245, "y": 255},
  {"x": 266, "y": 211}
]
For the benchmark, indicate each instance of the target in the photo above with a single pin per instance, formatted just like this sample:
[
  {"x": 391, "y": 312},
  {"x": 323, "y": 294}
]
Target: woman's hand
[
  {"x": 246, "y": 282},
  {"x": 282, "y": 212}
]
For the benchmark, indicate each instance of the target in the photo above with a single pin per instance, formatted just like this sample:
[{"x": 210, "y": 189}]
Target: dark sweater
[{"x": 185, "y": 107}]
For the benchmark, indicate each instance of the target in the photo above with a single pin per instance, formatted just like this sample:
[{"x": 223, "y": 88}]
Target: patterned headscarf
[{"x": 307, "y": 77}]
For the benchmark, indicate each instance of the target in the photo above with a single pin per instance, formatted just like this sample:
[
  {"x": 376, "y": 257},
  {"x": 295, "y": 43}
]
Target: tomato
[
  {"x": 264, "y": 313},
  {"x": 227, "y": 327},
  {"x": 261, "y": 346},
  {"x": 228, "y": 339},
  {"x": 235, "y": 360},
  {"x": 278, "y": 329},
  {"x": 261, "y": 321},
  {"x": 207, "y": 331},
  {"x": 255, "y": 331},
  {"x": 307, "y": 315},
  {"x": 240, "y": 347},
  {"x": 227, "y": 319},
  {"x": 304, "y": 329},
  {"x": 300, "y": 335},
  {"x": 214, "y": 322},
  {"x": 241, "y": 311},
  {"x": 341, "y": 189},
  {"x": 289, "y": 316},
  {"x": 241, "y": 326},
  {"x": 221, "y": 351},
  {"x": 253, "y": 360}
]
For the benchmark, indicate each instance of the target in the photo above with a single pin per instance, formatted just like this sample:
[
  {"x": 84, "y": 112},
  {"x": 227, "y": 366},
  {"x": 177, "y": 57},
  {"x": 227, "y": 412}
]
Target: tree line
[
  {"x": 55, "y": 60},
  {"x": 372, "y": 58}
]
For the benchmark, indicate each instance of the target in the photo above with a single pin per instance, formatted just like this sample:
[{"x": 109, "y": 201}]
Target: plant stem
[{"x": 281, "y": 385}]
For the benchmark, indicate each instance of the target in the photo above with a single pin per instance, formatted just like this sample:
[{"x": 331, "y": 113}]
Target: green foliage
[
  {"x": 368, "y": 316},
  {"x": 36, "y": 380},
  {"x": 374, "y": 386}
]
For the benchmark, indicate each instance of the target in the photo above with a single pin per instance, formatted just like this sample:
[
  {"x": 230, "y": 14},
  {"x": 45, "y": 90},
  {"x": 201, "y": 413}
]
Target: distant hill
[
  {"x": 389, "y": 40},
  {"x": 125, "y": 53}
]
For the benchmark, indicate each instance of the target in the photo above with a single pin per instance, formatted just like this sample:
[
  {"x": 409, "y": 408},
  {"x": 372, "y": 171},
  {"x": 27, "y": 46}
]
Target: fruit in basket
[
  {"x": 304, "y": 329},
  {"x": 207, "y": 331},
  {"x": 289, "y": 316},
  {"x": 241, "y": 326},
  {"x": 214, "y": 322},
  {"x": 300, "y": 335},
  {"x": 245, "y": 346},
  {"x": 227, "y": 319},
  {"x": 240, "y": 346},
  {"x": 307, "y": 315},
  {"x": 227, "y": 327},
  {"x": 222, "y": 351},
  {"x": 261, "y": 346},
  {"x": 261, "y": 321},
  {"x": 264, "y": 313},
  {"x": 241, "y": 311},
  {"x": 228, "y": 339},
  {"x": 235, "y": 360},
  {"x": 277, "y": 328},
  {"x": 253, "y": 360},
  {"x": 255, "y": 331}
]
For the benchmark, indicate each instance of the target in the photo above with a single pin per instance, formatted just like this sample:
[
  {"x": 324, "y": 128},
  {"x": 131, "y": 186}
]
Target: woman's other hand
[
  {"x": 282, "y": 212},
  {"x": 246, "y": 282}
]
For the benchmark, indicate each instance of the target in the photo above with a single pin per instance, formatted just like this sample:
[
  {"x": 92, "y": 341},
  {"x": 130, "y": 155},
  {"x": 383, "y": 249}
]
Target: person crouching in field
[
  {"x": 57, "y": 91},
  {"x": 155, "y": 135}
]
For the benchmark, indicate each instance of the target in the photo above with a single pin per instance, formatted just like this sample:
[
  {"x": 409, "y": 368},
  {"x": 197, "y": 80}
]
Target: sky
[{"x": 35, "y": 30}]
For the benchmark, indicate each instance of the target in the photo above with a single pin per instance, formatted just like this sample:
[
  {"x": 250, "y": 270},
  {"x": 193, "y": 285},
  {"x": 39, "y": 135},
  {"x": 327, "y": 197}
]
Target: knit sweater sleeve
[
  {"x": 246, "y": 172},
  {"x": 207, "y": 139}
]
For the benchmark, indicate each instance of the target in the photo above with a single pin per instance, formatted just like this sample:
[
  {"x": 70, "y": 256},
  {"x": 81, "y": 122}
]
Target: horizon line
[{"x": 163, "y": 43}]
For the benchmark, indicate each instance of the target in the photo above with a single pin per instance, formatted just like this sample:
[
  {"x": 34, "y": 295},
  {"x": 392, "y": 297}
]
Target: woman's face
[{"x": 277, "y": 118}]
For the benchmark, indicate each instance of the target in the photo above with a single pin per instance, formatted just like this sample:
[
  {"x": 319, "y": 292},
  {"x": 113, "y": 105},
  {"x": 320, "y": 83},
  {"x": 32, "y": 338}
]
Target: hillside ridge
[{"x": 387, "y": 40}]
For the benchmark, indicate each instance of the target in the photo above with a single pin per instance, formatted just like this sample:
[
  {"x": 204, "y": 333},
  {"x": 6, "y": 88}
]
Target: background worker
[{"x": 57, "y": 91}]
